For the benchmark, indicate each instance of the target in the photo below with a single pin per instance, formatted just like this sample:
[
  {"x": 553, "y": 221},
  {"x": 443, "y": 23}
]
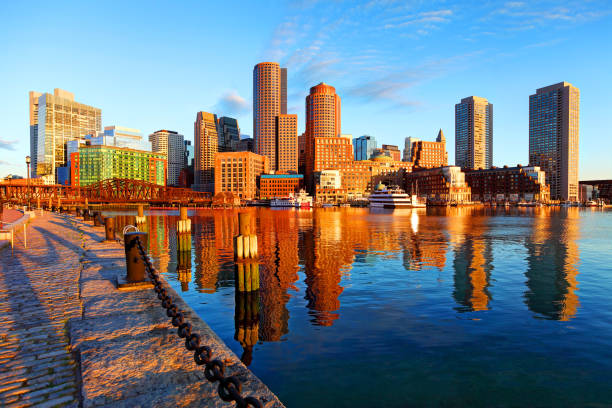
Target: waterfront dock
[{"x": 69, "y": 338}]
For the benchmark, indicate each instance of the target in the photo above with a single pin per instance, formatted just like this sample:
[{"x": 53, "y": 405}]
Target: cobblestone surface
[
  {"x": 64, "y": 320},
  {"x": 39, "y": 293}
]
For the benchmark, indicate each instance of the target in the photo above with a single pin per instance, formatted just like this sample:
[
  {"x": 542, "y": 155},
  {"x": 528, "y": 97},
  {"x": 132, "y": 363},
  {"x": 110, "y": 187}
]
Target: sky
[{"x": 398, "y": 66}]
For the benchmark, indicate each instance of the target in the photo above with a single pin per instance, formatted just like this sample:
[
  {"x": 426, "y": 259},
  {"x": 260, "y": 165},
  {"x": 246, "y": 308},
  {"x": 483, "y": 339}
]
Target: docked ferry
[
  {"x": 282, "y": 202},
  {"x": 393, "y": 197},
  {"x": 302, "y": 200}
]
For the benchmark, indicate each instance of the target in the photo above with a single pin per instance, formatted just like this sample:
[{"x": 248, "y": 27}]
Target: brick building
[
  {"x": 508, "y": 184},
  {"x": 442, "y": 185},
  {"x": 238, "y": 173},
  {"x": 280, "y": 185}
]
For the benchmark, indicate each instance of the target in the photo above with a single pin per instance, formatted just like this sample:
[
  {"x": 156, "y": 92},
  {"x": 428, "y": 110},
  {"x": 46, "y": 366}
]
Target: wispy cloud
[
  {"x": 425, "y": 19},
  {"x": 5, "y": 163},
  {"x": 231, "y": 103},
  {"x": 7, "y": 144}
]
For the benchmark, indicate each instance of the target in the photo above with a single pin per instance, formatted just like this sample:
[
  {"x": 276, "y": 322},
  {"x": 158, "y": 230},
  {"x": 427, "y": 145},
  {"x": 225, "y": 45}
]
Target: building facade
[
  {"x": 280, "y": 185},
  {"x": 474, "y": 133},
  {"x": 97, "y": 163},
  {"x": 229, "y": 134},
  {"x": 239, "y": 172},
  {"x": 171, "y": 144},
  {"x": 269, "y": 101},
  {"x": 286, "y": 144},
  {"x": 512, "y": 184},
  {"x": 393, "y": 151},
  {"x": 322, "y": 121},
  {"x": 429, "y": 154},
  {"x": 206, "y": 147},
  {"x": 56, "y": 119},
  {"x": 554, "y": 116},
  {"x": 33, "y": 96},
  {"x": 408, "y": 143},
  {"x": 441, "y": 185},
  {"x": 364, "y": 147}
]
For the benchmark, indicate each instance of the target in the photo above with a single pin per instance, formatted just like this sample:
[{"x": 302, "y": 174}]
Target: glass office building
[{"x": 364, "y": 146}]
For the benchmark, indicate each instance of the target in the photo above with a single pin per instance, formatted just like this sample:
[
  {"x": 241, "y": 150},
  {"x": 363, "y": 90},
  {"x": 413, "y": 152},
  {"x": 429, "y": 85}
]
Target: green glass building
[{"x": 96, "y": 163}]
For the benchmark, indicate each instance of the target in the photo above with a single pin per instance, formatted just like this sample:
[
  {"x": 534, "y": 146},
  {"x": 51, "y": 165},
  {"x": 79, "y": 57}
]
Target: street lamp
[{"x": 28, "y": 180}]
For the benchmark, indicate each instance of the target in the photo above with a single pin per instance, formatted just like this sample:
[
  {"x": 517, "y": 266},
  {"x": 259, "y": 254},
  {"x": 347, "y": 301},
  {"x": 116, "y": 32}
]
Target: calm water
[{"x": 413, "y": 308}]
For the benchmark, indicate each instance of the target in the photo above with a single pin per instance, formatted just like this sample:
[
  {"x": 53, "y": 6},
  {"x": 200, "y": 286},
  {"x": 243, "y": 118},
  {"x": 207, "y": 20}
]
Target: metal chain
[{"x": 230, "y": 388}]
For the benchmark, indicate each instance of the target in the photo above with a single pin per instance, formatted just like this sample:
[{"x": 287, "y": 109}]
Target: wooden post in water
[
  {"x": 183, "y": 231},
  {"x": 246, "y": 255},
  {"x": 140, "y": 218}
]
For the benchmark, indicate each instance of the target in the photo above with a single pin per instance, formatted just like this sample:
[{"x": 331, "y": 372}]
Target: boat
[
  {"x": 393, "y": 197},
  {"x": 286, "y": 202},
  {"x": 591, "y": 203},
  {"x": 303, "y": 200}
]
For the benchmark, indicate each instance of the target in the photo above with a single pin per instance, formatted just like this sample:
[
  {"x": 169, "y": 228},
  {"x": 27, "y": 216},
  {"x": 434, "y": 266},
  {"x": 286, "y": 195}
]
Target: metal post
[
  {"x": 134, "y": 263},
  {"x": 109, "y": 227}
]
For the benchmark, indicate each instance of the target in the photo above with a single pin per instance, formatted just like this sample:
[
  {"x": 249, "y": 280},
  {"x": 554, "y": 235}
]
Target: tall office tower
[
  {"x": 393, "y": 151},
  {"x": 269, "y": 86},
  {"x": 301, "y": 153},
  {"x": 57, "y": 120},
  {"x": 286, "y": 144},
  {"x": 364, "y": 146},
  {"x": 229, "y": 134},
  {"x": 554, "y": 114},
  {"x": 474, "y": 133},
  {"x": 173, "y": 145},
  {"x": 33, "y": 130},
  {"x": 408, "y": 143},
  {"x": 322, "y": 121},
  {"x": 120, "y": 136},
  {"x": 206, "y": 147},
  {"x": 283, "y": 91}
]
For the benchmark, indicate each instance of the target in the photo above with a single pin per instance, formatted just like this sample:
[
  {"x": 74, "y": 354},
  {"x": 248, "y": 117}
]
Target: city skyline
[{"x": 397, "y": 99}]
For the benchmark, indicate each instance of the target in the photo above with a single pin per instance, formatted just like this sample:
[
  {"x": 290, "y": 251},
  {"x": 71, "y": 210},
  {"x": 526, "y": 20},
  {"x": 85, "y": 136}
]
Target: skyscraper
[
  {"x": 286, "y": 143},
  {"x": 269, "y": 101},
  {"x": 474, "y": 133},
  {"x": 322, "y": 121},
  {"x": 408, "y": 143},
  {"x": 56, "y": 119},
  {"x": 364, "y": 146},
  {"x": 173, "y": 145},
  {"x": 229, "y": 134},
  {"x": 206, "y": 147},
  {"x": 554, "y": 114},
  {"x": 33, "y": 129}
]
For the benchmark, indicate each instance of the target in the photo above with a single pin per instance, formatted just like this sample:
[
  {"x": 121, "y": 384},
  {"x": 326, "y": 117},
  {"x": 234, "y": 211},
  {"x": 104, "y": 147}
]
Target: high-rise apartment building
[
  {"x": 56, "y": 119},
  {"x": 269, "y": 101},
  {"x": 286, "y": 144},
  {"x": 364, "y": 147},
  {"x": 172, "y": 144},
  {"x": 229, "y": 134},
  {"x": 206, "y": 147},
  {"x": 474, "y": 133},
  {"x": 322, "y": 121},
  {"x": 554, "y": 115}
]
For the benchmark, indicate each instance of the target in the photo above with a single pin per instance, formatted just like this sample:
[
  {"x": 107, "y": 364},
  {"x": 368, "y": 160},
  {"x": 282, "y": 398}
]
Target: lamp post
[{"x": 28, "y": 181}]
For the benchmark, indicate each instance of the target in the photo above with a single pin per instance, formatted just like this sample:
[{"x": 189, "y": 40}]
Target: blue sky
[{"x": 399, "y": 66}]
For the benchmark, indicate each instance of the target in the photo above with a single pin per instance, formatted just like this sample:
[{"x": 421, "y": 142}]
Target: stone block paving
[
  {"x": 39, "y": 293},
  {"x": 65, "y": 320}
]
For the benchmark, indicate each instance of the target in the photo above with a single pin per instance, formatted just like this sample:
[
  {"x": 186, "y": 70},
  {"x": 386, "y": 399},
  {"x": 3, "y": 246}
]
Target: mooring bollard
[
  {"x": 134, "y": 263},
  {"x": 86, "y": 215},
  {"x": 97, "y": 219},
  {"x": 109, "y": 228}
]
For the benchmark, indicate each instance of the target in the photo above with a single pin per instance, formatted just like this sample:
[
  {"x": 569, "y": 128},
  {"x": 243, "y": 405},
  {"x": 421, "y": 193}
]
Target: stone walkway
[
  {"x": 65, "y": 321},
  {"x": 39, "y": 292}
]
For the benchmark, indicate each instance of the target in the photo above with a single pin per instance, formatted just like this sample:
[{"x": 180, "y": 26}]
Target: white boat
[
  {"x": 283, "y": 202},
  {"x": 394, "y": 197},
  {"x": 303, "y": 200}
]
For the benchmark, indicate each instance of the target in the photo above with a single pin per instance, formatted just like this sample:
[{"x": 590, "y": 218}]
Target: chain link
[{"x": 230, "y": 388}]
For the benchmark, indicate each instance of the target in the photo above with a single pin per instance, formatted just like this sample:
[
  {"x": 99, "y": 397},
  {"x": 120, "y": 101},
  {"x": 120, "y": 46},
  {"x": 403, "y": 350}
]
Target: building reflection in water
[
  {"x": 472, "y": 263},
  {"x": 424, "y": 249},
  {"x": 206, "y": 261},
  {"x": 278, "y": 252},
  {"x": 552, "y": 264},
  {"x": 246, "y": 321}
]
